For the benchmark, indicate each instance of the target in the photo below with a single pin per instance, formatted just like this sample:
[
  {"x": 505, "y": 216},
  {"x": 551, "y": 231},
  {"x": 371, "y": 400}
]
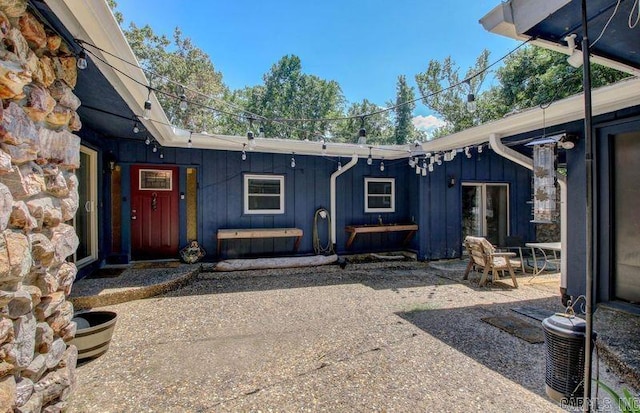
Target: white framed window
[
  {"x": 379, "y": 195},
  {"x": 264, "y": 194}
]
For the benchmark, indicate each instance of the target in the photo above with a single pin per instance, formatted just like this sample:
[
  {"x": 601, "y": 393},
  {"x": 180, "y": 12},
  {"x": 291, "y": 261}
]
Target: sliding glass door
[
  {"x": 485, "y": 211},
  {"x": 86, "y": 219}
]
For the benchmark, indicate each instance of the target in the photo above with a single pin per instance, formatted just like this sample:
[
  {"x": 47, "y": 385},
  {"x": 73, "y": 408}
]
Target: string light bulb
[
  {"x": 324, "y": 147},
  {"x": 147, "y": 141},
  {"x": 250, "y": 136},
  {"x": 480, "y": 149},
  {"x": 418, "y": 169},
  {"x": 136, "y": 128},
  {"x": 183, "y": 102},
  {"x": 424, "y": 171},
  {"x": 339, "y": 165},
  {"x": 244, "y": 153},
  {"x": 147, "y": 105},
  {"x": 161, "y": 155},
  {"x": 412, "y": 163},
  {"x": 362, "y": 133},
  {"x": 438, "y": 160},
  {"x": 81, "y": 63},
  {"x": 430, "y": 167},
  {"x": 370, "y": 158},
  {"x": 471, "y": 98},
  {"x": 261, "y": 131},
  {"x": 381, "y": 166},
  {"x": 155, "y": 148},
  {"x": 467, "y": 152},
  {"x": 293, "y": 160},
  {"x": 190, "y": 143}
]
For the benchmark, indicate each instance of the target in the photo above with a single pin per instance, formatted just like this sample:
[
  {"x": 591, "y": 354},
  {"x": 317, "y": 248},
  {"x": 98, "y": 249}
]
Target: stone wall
[{"x": 38, "y": 196}]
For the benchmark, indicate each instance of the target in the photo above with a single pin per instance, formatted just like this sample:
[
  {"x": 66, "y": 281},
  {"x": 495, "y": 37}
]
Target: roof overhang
[{"x": 548, "y": 22}]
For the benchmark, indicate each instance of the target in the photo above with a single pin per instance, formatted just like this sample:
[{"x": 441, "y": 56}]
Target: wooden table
[
  {"x": 369, "y": 229},
  {"x": 543, "y": 247},
  {"x": 251, "y": 233}
]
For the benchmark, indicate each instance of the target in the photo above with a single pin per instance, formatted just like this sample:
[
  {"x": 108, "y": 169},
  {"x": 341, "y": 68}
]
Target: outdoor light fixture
[
  {"x": 412, "y": 163},
  {"x": 467, "y": 152},
  {"x": 568, "y": 142},
  {"x": 161, "y": 155},
  {"x": 183, "y": 102},
  {"x": 261, "y": 131},
  {"x": 155, "y": 148},
  {"x": 362, "y": 134},
  {"x": 324, "y": 147},
  {"x": 147, "y": 106},
  {"x": 136, "y": 128},
  {"x": 81, "y": 63},
  {"x": 424, "y": 166},
  {"x": 293, "y": 160},
  {"x": 189, "y": 143},
  {"x": 339, "y": 165},
  {"x": 381, "y": 166},
  {"x": 471, "y": 98},
  {"x": 250, "y": 137},
  {"x": 369, "y": 159},
  {"x": 147, "y": 141},
  {"x": 244, "y": 154},
  {"x": 480, "y": 149},
  {"x": 575, "y": 59},
  {"x": 418, "y": 169},
  {"x": 451, "y": 181}
]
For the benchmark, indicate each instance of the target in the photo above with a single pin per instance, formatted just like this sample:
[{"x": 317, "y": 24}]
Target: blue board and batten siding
[
  {"x": 440, "y": 206},
  {"x": 427, "y": 201}
]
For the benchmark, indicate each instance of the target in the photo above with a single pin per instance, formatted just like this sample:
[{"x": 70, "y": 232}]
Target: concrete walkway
[{"x": 373, "y": 337}]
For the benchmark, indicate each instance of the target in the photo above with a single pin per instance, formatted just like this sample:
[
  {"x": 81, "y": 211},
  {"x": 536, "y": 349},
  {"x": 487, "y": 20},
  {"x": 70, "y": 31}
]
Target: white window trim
[
  {"x": 279, "y": 178},
  {"x": 90, "y": 207},
  {"x": 393, "y": 195}
]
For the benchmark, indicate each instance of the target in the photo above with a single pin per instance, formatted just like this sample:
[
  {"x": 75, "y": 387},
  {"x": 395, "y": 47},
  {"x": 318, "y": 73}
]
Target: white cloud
[{"x": 427, "y": 123}]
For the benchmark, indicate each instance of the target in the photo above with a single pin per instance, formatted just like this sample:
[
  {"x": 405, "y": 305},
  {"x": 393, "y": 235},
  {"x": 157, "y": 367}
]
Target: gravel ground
[{"x": 391, "y": 336}]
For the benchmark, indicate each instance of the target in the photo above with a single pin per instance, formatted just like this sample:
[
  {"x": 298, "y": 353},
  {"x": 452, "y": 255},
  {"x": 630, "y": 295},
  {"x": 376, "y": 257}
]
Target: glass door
[
  {"x": 485, "y": 211},
  {"x": 86, "y": 219}
]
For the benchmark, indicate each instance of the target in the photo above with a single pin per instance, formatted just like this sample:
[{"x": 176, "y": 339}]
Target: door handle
[{"x": 133, "y": 214}]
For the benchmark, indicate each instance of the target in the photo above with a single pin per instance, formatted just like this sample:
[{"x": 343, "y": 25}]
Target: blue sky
[{"x": 363, "y": 45}]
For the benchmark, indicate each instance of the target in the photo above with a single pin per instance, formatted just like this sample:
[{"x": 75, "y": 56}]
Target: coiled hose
[{"x": 322, "y": 213}]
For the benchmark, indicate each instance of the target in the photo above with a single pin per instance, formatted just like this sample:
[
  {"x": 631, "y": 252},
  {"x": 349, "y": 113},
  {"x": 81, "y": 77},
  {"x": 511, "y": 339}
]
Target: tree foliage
[
  {"x": 438, "y": 86},
  {"x": 288, "y": 93},
  {"x": 404, "y": 130},
  {"x": 531, "y": 76},
  {"x": 378, "y": 127}
]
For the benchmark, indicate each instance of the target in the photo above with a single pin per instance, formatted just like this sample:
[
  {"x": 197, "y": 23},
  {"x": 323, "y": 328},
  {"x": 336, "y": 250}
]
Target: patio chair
[{"x": 484, "y": 255}]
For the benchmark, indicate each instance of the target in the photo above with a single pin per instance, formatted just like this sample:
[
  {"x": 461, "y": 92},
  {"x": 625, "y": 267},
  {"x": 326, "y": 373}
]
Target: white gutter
[
  {"x": 334, "y": 176},
  {"x": 508, "y": 153}
]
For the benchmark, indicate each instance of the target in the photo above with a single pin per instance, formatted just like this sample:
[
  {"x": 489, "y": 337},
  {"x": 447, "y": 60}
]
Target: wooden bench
[
  {"x": 252, "y": 233},
  {"x": 368, "y": 229}
]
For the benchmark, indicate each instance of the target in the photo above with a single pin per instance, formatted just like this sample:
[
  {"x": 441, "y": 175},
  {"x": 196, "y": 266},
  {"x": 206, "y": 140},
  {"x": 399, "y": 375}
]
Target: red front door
[{"x": 154, "y": 212}]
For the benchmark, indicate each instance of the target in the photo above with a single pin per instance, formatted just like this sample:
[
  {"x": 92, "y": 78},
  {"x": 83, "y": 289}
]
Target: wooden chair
[{"x": 484, "y": 255}]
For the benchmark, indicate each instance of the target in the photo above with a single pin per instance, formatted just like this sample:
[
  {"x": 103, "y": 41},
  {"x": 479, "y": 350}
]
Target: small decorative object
[
  {"x": 544, "y": 183},
  {"x": 192, "y": 253}
]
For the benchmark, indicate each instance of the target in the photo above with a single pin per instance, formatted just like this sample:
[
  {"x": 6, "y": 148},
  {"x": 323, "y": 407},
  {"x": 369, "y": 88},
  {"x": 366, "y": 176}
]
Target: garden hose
[{"x": 322, "y": 213}]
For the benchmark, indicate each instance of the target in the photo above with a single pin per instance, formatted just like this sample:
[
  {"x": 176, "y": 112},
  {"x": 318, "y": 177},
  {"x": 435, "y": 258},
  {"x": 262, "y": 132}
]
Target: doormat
[
  {"x": 516, "y": 327},
  {"x": 155, "y": 264},
  {"x": 106, "y": 273},
  {"x": 534, "y": 312}
]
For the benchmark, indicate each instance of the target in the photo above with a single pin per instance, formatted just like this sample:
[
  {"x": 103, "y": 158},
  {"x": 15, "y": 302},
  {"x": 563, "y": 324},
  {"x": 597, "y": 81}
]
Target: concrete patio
[{"x": 392, "y": 336}]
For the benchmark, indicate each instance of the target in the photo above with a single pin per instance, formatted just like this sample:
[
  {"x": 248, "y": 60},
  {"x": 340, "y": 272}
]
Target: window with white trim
[
  {"x": 379, "y": 195},
  {"x": 264, "y": 194}
]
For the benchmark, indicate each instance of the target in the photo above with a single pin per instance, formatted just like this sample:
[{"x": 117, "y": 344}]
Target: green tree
[
  {"x": 438, "y": 86},
  {"x": 404, "y": 130},
  {"x": 288, "y": 93},
  {"x": 530, "y": 76},
  {"x": 378, "y": 126},
  {"x": 533, "y": 75},
  {"x": 184, "y": 63}
]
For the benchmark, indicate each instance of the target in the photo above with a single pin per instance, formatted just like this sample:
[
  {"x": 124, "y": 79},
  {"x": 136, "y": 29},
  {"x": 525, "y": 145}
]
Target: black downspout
[{"x": 588, "y": 155}]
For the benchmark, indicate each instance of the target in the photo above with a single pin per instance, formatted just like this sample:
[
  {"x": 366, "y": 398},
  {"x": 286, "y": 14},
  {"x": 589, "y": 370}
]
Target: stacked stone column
[{"x": 38, "y": 198}]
